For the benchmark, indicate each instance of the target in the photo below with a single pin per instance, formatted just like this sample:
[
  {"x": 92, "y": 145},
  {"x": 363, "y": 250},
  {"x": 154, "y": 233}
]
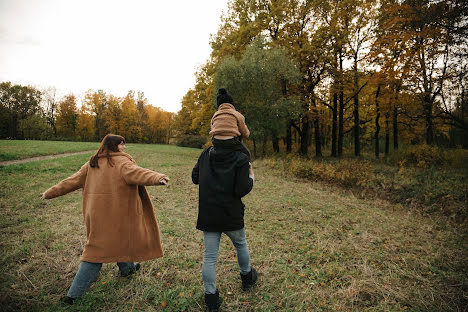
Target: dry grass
[{"x": 317, "y": 248}]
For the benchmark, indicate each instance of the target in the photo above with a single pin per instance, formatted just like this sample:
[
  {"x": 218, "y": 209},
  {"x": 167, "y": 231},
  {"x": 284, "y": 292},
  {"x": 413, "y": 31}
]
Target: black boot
[
  {"x": 67, "y": 300},
  {"x": 132, "y": 271},
  {"x": 249, "y": 279},
  {"x": 213, "y": 302}
]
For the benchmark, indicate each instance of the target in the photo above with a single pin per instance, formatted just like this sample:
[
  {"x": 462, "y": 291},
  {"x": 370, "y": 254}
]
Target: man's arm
[
  {"x": 196, "y": 172},
  {"x": 244, "y": 180}
]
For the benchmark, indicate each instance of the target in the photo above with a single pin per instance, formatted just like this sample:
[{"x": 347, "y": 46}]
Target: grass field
[
  {"x": 20, "y": 149},
  {"x": 316, "y": 247}
]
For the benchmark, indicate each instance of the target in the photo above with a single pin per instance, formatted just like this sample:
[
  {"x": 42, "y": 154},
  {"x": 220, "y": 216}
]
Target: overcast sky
[{"x": 75, "y": 45}]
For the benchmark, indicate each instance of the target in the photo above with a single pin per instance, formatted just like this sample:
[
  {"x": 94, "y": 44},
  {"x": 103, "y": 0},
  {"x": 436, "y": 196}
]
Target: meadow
[
  {"x": 317, "y": 247},
  {"x": 21, "y": 149}
]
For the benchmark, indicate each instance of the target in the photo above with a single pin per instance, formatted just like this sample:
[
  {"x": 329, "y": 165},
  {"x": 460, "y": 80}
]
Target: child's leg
[
  {"x": 245, "y": 150},
  {"x": 211, "y": 241},
  {"x": 86, "y": 275},
  {"x": 240, "y": 242}
]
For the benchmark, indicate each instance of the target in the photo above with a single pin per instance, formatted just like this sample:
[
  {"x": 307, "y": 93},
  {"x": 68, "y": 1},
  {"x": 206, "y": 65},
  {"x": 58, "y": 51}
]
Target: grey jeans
[
  {"x": 211, "y": 240},
  {"x": 87, "y": 274}
]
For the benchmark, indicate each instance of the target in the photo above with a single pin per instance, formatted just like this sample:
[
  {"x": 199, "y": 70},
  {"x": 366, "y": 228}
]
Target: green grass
[
  {"x": 18, "y": 149},
  {"x": 316, "y": 247},
  {"x": 439, "y": 190}
]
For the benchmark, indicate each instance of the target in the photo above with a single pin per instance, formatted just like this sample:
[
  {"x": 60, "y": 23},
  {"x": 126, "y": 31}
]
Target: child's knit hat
[{"x": 223, "y": 97}]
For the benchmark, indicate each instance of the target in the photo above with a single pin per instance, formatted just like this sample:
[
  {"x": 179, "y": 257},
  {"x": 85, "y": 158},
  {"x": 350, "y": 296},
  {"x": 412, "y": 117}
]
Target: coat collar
[
  {"x": 112, "y": 154},
  {"x": 226, "y": 106}
]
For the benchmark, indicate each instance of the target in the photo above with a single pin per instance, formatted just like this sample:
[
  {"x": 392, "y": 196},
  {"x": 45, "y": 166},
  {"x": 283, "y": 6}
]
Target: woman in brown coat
[{"x": 120, "y": 222}]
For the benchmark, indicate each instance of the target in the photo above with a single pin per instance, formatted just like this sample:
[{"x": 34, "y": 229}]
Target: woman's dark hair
[{"x": 109, "y": 144}]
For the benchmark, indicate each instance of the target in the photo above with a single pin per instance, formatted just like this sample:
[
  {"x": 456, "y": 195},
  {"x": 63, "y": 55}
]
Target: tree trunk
[
  {"x": 341, "y": 109},
  {"x": 334, "y": 124},
  {"x": 357, "y": 122},
  {"x": 429, "y": 120},
  {"x": 318, "y": 138},
  {"x": 288, "y": 137},
  {"x": 357, "y": 147},
  {"x": 395, "y": 127},
  {"x": 275, "y": 142},
  {"x": 316, "y": 124},
  {"x": 387, "y": 135},
  {"x": 395, "y": 119},
  {"x": 255, "y": 148},
  {"x": 377, "y": 125},
  {"x": 304, "y": 136}
]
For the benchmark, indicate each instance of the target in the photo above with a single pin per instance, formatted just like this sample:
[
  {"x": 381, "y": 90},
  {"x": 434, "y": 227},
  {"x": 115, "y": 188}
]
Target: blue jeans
[
  {"x": 87, "y": 274},
  {"x": 211, "y": 240}
]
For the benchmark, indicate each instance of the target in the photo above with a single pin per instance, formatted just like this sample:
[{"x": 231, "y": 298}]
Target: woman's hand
[
  {"x": 43, "y": 195},
  {"x": 164, "y": 181}
]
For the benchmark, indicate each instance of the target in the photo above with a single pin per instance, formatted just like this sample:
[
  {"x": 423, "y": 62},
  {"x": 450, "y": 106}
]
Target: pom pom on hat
[{"x": 223, "y": 97}]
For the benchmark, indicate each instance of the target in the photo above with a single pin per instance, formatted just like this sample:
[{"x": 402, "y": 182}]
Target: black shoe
[
  {"x": 249, "y": 279},
  {"x": 136, "y": 268},
  {"x": 213, "y": 302},
  {"x": 67, "y": 300}
]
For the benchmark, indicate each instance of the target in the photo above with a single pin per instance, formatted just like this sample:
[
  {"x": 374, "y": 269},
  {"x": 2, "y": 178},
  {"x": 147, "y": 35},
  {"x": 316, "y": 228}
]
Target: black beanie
[{"x": 223, "y": 97}]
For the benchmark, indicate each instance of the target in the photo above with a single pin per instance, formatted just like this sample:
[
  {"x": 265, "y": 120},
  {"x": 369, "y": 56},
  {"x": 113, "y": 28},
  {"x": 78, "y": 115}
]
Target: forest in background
[
  {"x": 334, "y": 74},
  {"x": 29, "y": 113},
  {"x": 314, "y": 77}
]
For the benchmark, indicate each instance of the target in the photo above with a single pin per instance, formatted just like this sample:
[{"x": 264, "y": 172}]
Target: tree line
[
  {"x": 337, "y": 73},
  {"x": 29, "y": 113}
]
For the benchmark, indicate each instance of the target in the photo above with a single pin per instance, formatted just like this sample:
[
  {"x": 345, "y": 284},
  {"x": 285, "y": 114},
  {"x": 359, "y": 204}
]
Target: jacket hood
[{"x": 227, "y": 157}]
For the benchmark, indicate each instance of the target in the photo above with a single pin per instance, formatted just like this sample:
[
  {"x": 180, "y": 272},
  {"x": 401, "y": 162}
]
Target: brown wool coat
[
  {"x": 120, "y": 222},
  {"x": 227, "y": 121}
]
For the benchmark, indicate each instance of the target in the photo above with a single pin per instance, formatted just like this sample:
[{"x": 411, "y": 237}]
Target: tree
[
  {"x": 426, "y": 52},
  {"x": 113, "y": 115},
  {"x": 67, "y": 115},
  {"x": 17, "y": 103},
  {"x": 158, "y": 124},
  {"x": 85, "y": 129},
  {"x": 50, "y": 106},
  {"x": 131, "y": 127},
  {"x": 255, "y": 82},
  {"x": 183, "y": 119},
  {"x": 95, "y": 103}
]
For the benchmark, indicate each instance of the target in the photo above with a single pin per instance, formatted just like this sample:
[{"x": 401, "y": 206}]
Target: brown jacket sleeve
[
  {"x": 134, "y": 174},
  {"x": 242, "y": 126},
  {"x": 70, "y": 184}
]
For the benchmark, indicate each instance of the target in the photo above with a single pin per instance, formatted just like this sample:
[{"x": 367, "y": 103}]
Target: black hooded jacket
[{"x": 223, "y": 176}]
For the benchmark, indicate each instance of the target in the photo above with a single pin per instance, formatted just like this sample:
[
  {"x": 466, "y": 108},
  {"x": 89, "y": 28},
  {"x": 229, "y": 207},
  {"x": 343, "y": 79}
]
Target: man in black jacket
[{"x": 224, "y": 176}]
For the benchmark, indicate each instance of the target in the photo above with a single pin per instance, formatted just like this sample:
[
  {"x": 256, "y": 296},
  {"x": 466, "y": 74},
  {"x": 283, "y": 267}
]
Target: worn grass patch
[
  {"x": 21, "y": 149},
  {"x": 316, "y": 247}
]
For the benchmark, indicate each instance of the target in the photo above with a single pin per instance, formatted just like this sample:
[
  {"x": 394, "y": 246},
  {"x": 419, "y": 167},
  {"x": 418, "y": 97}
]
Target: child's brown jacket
[{"x": 227, "y": 121}]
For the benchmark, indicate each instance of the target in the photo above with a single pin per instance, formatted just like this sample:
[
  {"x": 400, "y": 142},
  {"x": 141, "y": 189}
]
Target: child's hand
[
  {"x": 251, "y": 172},
  {"x": 164, "y": 181}
]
